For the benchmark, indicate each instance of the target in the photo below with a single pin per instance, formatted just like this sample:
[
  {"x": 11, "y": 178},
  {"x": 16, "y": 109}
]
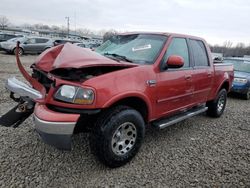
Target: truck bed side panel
[{"x": 223, "y": 73}]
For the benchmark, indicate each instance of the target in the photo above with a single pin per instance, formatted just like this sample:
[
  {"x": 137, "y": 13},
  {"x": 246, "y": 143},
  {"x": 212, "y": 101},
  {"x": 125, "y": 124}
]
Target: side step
[{"x": 163, "y": 123}]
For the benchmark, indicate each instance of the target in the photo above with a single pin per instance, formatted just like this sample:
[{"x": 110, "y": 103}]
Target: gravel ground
[{"x": 201, "y": 151}]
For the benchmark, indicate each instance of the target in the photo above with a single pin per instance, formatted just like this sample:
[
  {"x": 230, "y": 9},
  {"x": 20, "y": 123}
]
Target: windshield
[
  {"x": 239, "y": 65},
  {"x": 136, "y": 48}
]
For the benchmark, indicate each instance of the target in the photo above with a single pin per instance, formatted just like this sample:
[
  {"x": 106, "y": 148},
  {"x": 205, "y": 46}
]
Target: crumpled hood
[{"x": 72, "y": 56}]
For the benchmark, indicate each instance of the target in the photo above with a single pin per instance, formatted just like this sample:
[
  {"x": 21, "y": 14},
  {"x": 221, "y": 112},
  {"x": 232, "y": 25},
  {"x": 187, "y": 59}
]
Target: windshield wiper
[{"x": 120, "y": 57}]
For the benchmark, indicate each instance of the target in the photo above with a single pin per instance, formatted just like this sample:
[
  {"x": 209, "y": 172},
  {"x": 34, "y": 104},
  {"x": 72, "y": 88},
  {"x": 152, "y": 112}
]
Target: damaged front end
[
  {"x": 62, "y": 67},
  {"x": 24, "y": 95}
]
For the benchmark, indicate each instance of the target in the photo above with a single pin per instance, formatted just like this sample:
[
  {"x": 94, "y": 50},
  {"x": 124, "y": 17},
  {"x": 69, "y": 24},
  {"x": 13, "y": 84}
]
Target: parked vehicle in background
[
  {"x": 87, "y": 45},
  {"x": 80, "y": 44},
  {"x": 92, "y": 45},
  {"x": 63, "y": 41},
  {"x": 241, "y": 83},
  {"x": 131, "y": 81},
  {"x": 27, "y": 45},
  {"x": 5, "y": 37}
]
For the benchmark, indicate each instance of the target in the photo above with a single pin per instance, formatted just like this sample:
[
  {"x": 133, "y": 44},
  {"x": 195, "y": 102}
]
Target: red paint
[
  {"x": 72, "y": 56},
  {"x": 175, "y": 61},
  {"x": 174, "y": 90},
  {"x": 46, "y": 114},
  {"x": 26, "y": 75}
]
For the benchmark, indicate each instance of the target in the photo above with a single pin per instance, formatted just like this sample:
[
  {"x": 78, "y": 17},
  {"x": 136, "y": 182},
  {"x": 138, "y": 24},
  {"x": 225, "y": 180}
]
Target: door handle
[
  {"x": 209, "y": 74},
  {"x": 188, "y": 77}
]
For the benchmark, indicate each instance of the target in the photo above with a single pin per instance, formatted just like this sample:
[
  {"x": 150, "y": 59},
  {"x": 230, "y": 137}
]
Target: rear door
[
  {"x": 203, "y": 72},
  {"x": 29, "y": 45},
  {"x": 174, "y": 85}
]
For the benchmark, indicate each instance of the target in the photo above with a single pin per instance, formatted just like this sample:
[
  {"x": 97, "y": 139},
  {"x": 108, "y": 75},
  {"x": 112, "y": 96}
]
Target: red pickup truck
[{"x": 131, "y": 81}]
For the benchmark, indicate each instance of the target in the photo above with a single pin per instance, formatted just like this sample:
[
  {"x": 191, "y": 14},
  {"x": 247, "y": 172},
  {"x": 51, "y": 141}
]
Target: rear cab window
[{"x": 199, "y": 51}]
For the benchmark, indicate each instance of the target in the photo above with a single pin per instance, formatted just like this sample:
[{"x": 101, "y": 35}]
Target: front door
[{"x": 174, "y": 85}]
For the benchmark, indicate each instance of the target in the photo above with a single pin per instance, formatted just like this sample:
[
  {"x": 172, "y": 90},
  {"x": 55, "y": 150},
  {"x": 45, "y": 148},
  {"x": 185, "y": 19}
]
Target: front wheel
[
  {"x": 217, "y": 106},
  {"x": 117, "y": 136}
]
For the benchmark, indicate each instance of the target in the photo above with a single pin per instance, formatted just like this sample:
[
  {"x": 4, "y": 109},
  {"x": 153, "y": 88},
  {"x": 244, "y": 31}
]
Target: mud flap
[{"x": 18, "y": 114}]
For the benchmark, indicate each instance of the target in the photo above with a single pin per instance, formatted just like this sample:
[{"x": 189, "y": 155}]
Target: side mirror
[
  {"x": 175, "y": 61},
  {"x": 218, "y": 60}
]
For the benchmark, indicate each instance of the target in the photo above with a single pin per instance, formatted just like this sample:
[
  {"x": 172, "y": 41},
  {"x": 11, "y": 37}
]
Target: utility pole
[
  {"x": 67, "y": 18},
  {"x": 75, "y": 21}
]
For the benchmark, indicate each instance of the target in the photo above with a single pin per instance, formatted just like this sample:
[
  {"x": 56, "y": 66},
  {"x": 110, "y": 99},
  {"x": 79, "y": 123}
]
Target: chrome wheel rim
[
  {"x": 123, "y": 140},
  {"x": 221, "y": 103}
]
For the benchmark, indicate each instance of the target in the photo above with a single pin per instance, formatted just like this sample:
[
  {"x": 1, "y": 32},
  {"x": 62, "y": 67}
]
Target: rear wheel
[
  {"x": 19, "y": 53},
  {"x": 117, "y": 136},
  {"x": 217, "y": 106}
]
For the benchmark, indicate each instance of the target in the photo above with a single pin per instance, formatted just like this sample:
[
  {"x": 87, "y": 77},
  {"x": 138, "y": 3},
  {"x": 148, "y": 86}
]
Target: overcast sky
[{"x": 214, "y": 20}]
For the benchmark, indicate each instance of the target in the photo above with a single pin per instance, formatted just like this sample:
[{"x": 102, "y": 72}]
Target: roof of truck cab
[{"x": 162, "y": 33}]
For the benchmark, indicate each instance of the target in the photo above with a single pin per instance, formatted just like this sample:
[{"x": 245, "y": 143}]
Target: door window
[
  {"x": 31, "y": 41},
  {"x": 39, "y": 40},
  {"x": 178, "y": 47}
]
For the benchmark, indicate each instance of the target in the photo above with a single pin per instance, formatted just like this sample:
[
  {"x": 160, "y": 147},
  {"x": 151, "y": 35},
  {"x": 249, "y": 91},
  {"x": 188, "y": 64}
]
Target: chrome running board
[{"x": 163, "y": 123}]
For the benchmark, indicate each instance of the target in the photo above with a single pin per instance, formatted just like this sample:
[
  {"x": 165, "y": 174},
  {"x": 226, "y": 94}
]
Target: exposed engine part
[
  {"x": 83, "y": 74},
  {"x": 42, "y": 77}
]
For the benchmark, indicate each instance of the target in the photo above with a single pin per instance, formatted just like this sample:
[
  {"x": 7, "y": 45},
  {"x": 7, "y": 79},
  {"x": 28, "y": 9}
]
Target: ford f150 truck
[{"x": 131, "y": 81}]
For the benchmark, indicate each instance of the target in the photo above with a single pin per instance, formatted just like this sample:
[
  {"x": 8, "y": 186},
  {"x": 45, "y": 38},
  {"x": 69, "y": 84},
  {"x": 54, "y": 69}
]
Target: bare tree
[
  {"x": 27, "y": 26},
  {"x": 4, "y": 22},
  {"x": 228, "y": 44},
  {"x": 109, "y": 34},
  {"x": 41, "y": 26},
  {"x": 55, "y": 27},
  {"x": 85, "y": 32},
  {"x": 239, "y": 50},
  {"x": 101, "y": 32}
]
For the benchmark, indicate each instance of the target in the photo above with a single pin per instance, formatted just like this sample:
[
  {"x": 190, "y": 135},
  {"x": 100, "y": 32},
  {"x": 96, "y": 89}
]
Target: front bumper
[
  {"x": 239, "y": 88},
  {"x": 55, "y": 128},
  {"x": 57, "y": 134},
  {"x": 22, "y": 89}
]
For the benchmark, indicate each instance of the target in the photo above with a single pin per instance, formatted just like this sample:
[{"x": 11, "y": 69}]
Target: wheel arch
[
  {"x": 224, "y": 85},
  {"x": 138, "y": 102}
]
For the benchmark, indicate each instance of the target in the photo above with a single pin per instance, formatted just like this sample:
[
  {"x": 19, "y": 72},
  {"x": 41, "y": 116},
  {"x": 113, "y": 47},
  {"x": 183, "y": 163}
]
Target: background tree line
[
  {"x": 227, "y": 49},
  {"x": 5, "y": 23}
]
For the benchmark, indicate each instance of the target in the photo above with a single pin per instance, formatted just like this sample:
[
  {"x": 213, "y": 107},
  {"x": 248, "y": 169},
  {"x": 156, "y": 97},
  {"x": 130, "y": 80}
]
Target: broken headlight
[{"x": 75, "y": 95}]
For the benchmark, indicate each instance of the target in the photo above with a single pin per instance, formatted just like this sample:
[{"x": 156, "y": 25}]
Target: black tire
[
  {"x": 20, "y": 51},
  {"x": 247, "y": 95},
  {"x": 103, "y": 138},
  {"x": 217, "y": 106}
]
